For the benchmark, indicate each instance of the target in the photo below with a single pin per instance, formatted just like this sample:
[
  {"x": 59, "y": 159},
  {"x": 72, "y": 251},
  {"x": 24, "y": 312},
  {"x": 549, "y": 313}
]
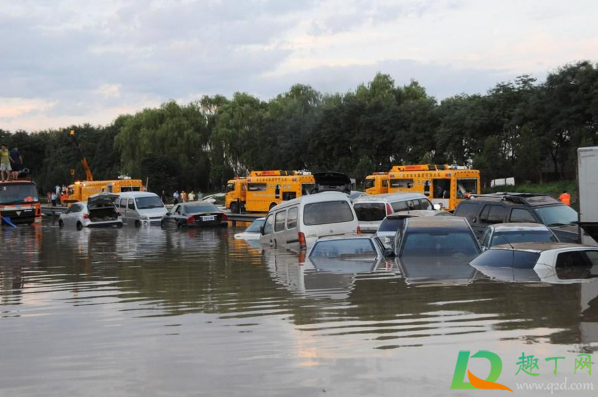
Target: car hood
[{"x": 153, "y": 212}]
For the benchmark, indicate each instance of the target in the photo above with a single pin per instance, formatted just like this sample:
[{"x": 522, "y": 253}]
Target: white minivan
[
  {"x": 371, "y": 210},
  {"x": 138, "y": 208},
  {"x": 298, "y": 223}
]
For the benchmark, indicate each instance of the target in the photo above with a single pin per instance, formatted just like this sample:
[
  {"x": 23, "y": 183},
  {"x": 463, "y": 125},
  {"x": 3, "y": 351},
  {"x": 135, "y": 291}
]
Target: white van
[
  {"x": 298, "y": 223},
  {"x": 371, "y": 210},
  {"x": 137, "y": 208}
]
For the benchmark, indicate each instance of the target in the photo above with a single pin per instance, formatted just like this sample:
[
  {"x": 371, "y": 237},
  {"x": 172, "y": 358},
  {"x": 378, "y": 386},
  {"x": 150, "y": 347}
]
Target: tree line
[{"x": 521, "y": 128}]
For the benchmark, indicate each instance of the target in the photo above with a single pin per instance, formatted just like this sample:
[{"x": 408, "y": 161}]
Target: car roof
[
  {"x": 541, "y": 247},
  {"x": 314, "y": 198},
  {"x": 508, "y": 198},
  {"x": 137, "y": 194},
  {"x": 413, "y": 214},
  {"x": 432, "y": 223},
  {"x": 200, "y": 202},
  {"x": 389, "y": 197},
  {"x": 347, "y": 236},
  {"x": 503, "y": 227}
]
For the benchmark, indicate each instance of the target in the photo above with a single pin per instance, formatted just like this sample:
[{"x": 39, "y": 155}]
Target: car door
[{"x": 268, "y": 231}]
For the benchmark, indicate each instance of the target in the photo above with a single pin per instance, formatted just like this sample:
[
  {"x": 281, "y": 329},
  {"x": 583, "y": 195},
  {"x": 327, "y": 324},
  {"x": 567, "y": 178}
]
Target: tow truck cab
[{"x": 19, "y": 202}]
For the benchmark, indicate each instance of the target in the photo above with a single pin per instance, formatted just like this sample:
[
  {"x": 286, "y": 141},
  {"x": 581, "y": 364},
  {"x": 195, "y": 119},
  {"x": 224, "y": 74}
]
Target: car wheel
[
  {"x": 234, "y": 208},
  {"x": 137, "y": 224},
  {"x": 60, "y": 223},
  {"x": 79, "y": 226}
]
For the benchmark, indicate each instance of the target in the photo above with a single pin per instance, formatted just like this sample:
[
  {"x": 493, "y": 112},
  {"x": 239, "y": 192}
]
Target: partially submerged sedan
[
  {"x": 433, "y": 237},
  {"x": 348, "y": 246},
  {"x": 194, "y": 214},
  {"x": 511, "y": 233},
  {"x": 97, "y": 211},
  {"x": 542, "y": 257},
  {"x": 387, "y": 230}
]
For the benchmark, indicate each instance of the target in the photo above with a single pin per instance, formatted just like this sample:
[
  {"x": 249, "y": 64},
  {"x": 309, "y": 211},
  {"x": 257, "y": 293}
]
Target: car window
[
  {"x": 369, "y": 183},
  {"x": 573, "y": 259},
  {"x": 507, "y": 258},
  {"x": 399, "y": 206},
  {"x": 75, "y": 208},
  {"x": 340, "y": 248},
  {"x": 390, "y": 224},
  {"x": 425, "y": 204},
  {"x": 402, "y": 183},
  {"x": 279, "y": 221},
  {"x": 255, "y": 227},
  {"x": 593, "y": 257},
  {"x": 327, "y": 212},
  {"x": 385, "y": 183},
  {"x": 292, "y": 218},
  {"x": 467, "y": 210},
  {"x": 512, "y": 237},
  {"x": 269, "y": 225},
  {"x": 200, "y": 208},
  {"x": 439, "y": 243},
  {"x": 131, "y": 204},
  {"x": 521, "y": 215},
  {"x": 370, "y": 211},
  {"x": 557, "y": 215},
  {"x": 493, "y": 214},
  {"x": 485, "y": 239}
]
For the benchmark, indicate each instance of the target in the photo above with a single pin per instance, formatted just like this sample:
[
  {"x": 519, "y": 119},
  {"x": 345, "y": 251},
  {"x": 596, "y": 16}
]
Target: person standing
[
  {"x": 199, "y": 195},
  {"x": 565, "y": 198},
  {"x": 163, "y": 197},
  {"x": 17, "y": 162},
  {"x": 175, "y": 197},
  {"x": 191, "y": 196},
  {"x": 54, "y": 199},
  {"x": 57, "y": 191},
  {"x": 183, "y": 196},
  {"x": 5, "y": 162}
]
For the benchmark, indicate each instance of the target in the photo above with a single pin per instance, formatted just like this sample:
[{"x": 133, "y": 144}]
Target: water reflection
[{"x": 144, "y": 309}]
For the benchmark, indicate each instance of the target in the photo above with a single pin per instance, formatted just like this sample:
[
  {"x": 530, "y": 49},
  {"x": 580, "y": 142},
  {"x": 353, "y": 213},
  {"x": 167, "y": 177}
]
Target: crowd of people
[
  {"x": 182, "y": 197},
  {"x": 11, "y": 163}
]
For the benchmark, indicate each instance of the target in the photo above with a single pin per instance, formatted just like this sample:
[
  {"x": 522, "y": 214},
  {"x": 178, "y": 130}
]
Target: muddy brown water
[{"x": 146, "y": 312}]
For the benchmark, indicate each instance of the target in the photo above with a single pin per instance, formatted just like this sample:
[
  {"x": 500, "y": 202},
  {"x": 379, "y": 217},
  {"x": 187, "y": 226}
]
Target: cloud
[{"x": 89, "y": 60}]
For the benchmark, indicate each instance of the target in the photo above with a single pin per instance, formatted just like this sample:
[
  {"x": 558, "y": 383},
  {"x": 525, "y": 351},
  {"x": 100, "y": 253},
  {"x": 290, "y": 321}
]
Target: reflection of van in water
[
  {"x": 138, "y": 207},
  {"x": 298, "y": 223}
]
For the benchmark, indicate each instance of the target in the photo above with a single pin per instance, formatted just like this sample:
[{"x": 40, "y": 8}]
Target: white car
[
  {"x": 544, "y": 258},
  {"x": 97, "y": 211},
  {"x": 253, "y": 232}
]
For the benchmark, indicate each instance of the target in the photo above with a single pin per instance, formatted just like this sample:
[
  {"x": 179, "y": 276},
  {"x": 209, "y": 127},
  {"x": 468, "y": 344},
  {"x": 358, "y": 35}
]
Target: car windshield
[
  {"x": 144, "y": 203},
  {"x": 344, "y": 248},
  {"x": 255, "y": 226},
  {"x": 390, "y": 224},
  {"x": 189, "y": 209},
  {"x": 439, "y": 243},
  {"x": 18, "y": 193},
  {"x": 507, "y": 258},
  {"x": 557, "y": 215},
  {"x": 369, "y": 183},
  {"x": 327, "y": 212},
  {"x": 230, "y": 187},
  {"x": 370, "y": 211},
  {"x": 522, "y": 237}
]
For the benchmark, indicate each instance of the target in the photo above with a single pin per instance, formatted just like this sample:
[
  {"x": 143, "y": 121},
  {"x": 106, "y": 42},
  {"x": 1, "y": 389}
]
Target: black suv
[{"x": 488, "y": 209}]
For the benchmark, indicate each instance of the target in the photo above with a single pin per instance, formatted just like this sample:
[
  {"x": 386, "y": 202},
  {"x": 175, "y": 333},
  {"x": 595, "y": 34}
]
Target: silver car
[
  {"x": 371, "y": 210},
  {"x": 510, "y": 233},
  {"x": 349, "y": 247},
  {"x": 97, "y": 211}
]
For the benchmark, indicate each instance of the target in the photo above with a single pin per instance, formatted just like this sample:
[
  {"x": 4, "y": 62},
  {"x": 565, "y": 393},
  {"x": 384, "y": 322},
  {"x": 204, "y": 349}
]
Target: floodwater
[{"x": 146, "y": 312}]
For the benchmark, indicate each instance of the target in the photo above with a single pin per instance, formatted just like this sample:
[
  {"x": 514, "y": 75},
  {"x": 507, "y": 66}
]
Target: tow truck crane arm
[{"x": 84, "y": 163}]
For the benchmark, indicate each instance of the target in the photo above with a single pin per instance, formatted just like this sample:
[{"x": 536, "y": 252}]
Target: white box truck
[{"x": 587, "y": 178}]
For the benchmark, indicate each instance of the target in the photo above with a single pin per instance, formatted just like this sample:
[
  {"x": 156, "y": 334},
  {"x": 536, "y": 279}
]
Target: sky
[{"x": 65, "y": 62}]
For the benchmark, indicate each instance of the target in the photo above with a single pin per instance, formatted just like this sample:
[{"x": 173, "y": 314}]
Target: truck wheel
[
  {"x": 79, "y": 226},
  {"x": 234, "y": 208},
  {"x": 60, "y": 224}
]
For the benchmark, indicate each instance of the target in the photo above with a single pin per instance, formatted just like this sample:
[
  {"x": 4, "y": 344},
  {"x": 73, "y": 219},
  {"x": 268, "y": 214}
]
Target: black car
[
  {"x": 197, "y": 213},
  {"x": 489, "y": 209}
]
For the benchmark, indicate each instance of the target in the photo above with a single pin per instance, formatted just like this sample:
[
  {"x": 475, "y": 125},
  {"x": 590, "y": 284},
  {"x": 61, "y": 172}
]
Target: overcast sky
[{"x": 66, "y": 62}]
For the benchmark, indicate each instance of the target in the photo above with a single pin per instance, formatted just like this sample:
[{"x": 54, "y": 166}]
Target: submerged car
[
  {"x": 371, "y": 210},
  {"x": 194, "y": 214},
  {"x": 392, "y": 223},
  {"x": 97, "y": 211},
  {"x": 510, "y": 233},
  {"x": 422, "y": 238},
  {"x": 253, "y": 232},
  {"x": 349, "y": 246},
  {"x": 542, "y": 257}
]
